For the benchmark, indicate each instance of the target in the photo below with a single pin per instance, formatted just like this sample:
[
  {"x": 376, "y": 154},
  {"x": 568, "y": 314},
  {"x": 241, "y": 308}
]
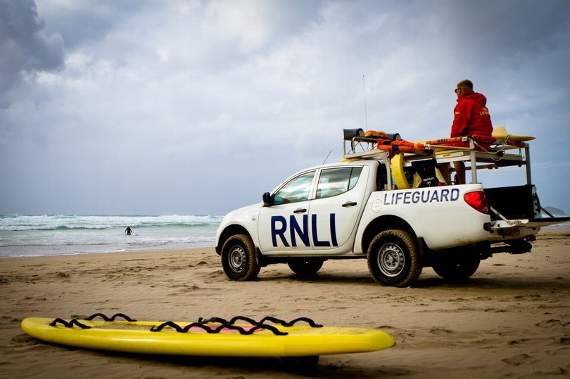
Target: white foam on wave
[
  {"x": 71, "y": 222},
  {"x": 63, "y": 234}
]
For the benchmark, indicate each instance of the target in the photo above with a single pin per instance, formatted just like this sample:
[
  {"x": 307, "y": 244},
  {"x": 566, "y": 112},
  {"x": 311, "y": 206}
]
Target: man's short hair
[{"x": 465, "y": 84}]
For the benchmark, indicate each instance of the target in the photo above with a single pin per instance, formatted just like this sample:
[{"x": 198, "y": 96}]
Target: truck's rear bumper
[
  {"x": 544, "y": 221},
  {"x": 509, "y": 229}
]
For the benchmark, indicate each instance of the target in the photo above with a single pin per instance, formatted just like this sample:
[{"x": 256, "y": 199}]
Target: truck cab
[{"x": 369, "y": 206}]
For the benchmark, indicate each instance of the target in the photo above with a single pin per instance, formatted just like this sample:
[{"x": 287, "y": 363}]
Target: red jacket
[{"x": 472, "y": 117}]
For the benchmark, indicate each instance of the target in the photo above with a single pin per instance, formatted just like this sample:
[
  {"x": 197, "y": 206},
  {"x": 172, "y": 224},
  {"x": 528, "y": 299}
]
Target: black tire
[
  {"x": 305, "y": 267},
  {"x": 394, "y": 259},
  {"x": 456, "y": 265},
  {"x": 239, "y": 258}
]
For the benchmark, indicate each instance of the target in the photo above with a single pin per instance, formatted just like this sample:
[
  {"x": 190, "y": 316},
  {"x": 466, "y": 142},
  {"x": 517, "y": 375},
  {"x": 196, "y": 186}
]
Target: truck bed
[{"x": 518, "y": 203}]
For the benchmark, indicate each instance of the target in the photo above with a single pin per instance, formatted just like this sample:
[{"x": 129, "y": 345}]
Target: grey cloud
[
  {"x": 83, "y": 22},
  {"x": 514, "y": 26},
  {"x": 150, "y": 89},
  {"x": 25, "y": 46}
]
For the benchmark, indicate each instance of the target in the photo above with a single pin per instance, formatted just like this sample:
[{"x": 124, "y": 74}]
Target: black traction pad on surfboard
[
  {"x": 274, "y": 320},
  {"x": 201, "y": 323},
  {"x": 225, "y": 324},
  {"x": 217, "y": 329},
  {"x": 112, "y": 318},
  {"x": 69, "y": 324}
]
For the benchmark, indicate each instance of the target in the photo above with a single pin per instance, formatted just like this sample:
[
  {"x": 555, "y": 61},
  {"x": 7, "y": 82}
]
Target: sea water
[
  {"x": 72, "y": 234},
  {"x": 69, "y": 234}
]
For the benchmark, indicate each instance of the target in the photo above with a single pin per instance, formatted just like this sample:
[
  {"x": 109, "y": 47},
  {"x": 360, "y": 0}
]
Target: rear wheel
[
  {"x": 239, "y": 259},
  {"x": 457, "y": 265},
  {"x": 305, "y": 267},
  {"x": 393, "y": 258}
]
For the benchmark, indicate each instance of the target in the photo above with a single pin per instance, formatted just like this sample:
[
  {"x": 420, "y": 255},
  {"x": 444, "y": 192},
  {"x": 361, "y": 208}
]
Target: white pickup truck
[{"x": 352, "y": 209}]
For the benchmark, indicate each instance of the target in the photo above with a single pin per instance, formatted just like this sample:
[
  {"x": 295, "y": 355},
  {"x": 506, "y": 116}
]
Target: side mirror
[{"x": 267, "y": 199}]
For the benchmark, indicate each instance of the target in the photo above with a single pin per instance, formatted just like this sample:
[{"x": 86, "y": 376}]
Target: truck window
[
  {"x": 298, "y": 189},
  {"x": 334, "y": 181}
]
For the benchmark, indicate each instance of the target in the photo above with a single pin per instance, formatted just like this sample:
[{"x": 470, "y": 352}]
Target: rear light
[{"x": 477, "y": 201}]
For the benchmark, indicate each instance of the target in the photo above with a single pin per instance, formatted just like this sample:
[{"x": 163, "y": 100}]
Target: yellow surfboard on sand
[{"x": 300, "y": 340}]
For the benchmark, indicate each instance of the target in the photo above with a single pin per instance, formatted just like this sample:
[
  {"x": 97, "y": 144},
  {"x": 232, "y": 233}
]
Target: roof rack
[{"x": 358, "y": 146}]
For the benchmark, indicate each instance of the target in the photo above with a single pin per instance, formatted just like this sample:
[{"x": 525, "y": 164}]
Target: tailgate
[{"x": 518, "y": 207}]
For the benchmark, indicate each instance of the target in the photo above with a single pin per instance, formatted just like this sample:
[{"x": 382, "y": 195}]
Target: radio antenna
[{"x": 365, "y": 105}]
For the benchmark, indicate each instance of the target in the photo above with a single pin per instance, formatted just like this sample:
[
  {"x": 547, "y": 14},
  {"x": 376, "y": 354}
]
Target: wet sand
[{"x": 511, "y": 320}]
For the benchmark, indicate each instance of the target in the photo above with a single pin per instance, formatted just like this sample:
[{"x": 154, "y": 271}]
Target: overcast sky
[{"x": 162, "y": 107}]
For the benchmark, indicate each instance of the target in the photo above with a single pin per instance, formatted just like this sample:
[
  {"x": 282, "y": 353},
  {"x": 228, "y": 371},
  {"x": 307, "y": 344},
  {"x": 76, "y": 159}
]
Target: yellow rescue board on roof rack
[
  {"x": 500, "y": 133},
  {"x": 399, "y": 178},
  {"x": 136, "y": 337},
  {"x": 398, "y": 173}
]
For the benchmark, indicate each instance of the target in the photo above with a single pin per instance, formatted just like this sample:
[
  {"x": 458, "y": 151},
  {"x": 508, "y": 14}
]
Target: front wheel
[
  {"x": 305, "y": 267},
  {"x": 457, "y": 265},
  {"x": 393, "y": 258},
  {"x": 239, "y": 259}
]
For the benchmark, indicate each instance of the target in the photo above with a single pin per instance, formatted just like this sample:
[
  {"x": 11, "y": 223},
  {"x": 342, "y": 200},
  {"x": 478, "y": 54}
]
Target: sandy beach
[{"x": 512, "y": 319}]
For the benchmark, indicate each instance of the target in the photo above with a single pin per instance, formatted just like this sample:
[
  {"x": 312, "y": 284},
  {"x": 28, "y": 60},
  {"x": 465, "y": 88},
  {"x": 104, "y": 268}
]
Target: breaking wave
[{"x": 65, "y": 222}]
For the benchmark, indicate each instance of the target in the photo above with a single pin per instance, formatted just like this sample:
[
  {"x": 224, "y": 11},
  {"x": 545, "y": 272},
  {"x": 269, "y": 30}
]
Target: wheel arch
[
  {"x": 229, "y": 231},
  {"x": 382, "y": 223}
]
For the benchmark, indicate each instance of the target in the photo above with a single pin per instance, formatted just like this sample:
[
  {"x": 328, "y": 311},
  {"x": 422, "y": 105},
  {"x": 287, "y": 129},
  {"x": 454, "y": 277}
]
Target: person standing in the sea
[
  {"x": 128, "y": 231},
  {"x": 470, "y": 118}
]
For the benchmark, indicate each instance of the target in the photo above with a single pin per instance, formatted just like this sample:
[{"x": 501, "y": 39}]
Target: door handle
[
  {"x": 300, "y": 210},
  {"x": 349, "y": 204}
]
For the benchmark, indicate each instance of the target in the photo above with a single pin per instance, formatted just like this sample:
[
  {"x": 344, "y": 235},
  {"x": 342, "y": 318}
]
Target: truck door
[
  {"x": 284, "y": 226},
  {"x": 338, "y": 201}
]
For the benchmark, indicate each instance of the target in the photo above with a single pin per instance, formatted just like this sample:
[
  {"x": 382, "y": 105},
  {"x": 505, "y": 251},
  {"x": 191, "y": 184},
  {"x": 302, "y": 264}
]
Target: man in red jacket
[{"x": 471, "y": 118}]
